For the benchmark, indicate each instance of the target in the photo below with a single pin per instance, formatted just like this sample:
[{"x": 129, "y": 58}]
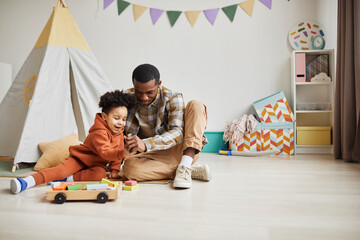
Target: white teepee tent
[{"x": 55, "y": 93}]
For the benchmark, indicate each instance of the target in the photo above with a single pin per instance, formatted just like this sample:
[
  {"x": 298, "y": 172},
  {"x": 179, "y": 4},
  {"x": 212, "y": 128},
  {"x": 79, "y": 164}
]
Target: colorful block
[
  {"x": 130, "y": 188},
  {"x": 74, "y": 187},
  {"x": 104, "y": 180},
  {"x": 130, "y": 182},
  {"x": 69, "y": 183},
  {"x": 97, "y": 186},
  {"x": 61, "y": 187},
  {"x": 55, "y": 184}
]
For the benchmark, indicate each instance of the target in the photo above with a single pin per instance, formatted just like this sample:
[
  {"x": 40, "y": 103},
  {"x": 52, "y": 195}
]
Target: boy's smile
[{"x": 116, "y": 119}]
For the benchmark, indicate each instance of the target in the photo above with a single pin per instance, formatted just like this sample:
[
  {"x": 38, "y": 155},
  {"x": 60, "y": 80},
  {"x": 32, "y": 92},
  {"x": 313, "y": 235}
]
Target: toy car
[{"x": 101, "y": 195}]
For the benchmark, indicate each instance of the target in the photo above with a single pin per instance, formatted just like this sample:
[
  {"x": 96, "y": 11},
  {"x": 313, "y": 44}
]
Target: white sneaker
[
  {"x": 201, "y": 172},
  {"x": 16, "y": 185},
  {"x": 183, "y": 177}
]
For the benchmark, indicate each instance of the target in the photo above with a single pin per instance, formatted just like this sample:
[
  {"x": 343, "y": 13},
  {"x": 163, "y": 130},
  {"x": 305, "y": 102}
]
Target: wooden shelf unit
[{"x": 313, "y": 93}]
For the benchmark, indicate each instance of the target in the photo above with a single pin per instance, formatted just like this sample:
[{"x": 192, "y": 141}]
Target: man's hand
[{"x": 135, "y": 144}]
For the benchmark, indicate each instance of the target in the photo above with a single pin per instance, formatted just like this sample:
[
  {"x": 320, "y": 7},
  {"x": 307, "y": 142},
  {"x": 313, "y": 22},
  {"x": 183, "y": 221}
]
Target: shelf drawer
[{"x": 313, "y": 135}]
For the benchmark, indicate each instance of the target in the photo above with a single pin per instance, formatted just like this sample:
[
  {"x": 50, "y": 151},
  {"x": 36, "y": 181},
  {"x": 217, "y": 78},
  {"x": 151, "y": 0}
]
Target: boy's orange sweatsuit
[{"x": 87, "y": 161}]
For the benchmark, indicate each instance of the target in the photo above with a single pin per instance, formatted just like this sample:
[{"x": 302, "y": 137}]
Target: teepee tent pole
[{"x": 61, "y": 2}]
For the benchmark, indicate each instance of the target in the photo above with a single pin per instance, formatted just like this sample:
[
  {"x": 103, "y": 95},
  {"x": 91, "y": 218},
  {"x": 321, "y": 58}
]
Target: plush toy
[{"x": 321, "y": 77}]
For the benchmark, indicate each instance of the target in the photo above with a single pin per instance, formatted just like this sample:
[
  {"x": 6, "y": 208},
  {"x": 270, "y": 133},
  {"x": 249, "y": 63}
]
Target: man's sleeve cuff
[{"x": 148, "y": 145}]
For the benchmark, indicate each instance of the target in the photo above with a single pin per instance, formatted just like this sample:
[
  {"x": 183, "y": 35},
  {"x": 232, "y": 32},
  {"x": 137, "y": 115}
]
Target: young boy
[{"x": 103, "y": 145}]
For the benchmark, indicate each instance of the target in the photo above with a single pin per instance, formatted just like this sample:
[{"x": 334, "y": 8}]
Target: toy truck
[{"x": 101, "y": 195}]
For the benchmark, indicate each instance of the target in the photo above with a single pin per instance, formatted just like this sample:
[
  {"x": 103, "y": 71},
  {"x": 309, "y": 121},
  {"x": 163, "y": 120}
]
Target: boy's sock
[
  {"x": 186, "y": 161},
  {"x": 67, "y": 179},
  {"x": 18, "y": 185}
]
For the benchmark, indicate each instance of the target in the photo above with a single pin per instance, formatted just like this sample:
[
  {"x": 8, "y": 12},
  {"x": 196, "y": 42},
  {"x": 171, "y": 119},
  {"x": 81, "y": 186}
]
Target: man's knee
[
  {"x": 195, "y": 105},
  {"x": 196, "y": 110},
  {"x": 130, "y": 169}
]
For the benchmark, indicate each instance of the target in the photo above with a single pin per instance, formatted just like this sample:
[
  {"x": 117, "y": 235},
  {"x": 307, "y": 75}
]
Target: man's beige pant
[{"x": 162, "y": 164}]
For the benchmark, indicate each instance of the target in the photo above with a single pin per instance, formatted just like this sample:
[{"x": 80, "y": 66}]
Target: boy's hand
[
  {"x": 114, "y": 175},
  {"x": 125, "y": 152},
  {"x": 135, "y": 144}
]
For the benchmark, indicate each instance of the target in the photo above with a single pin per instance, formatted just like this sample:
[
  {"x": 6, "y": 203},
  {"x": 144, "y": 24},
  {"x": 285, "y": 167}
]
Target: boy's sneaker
[
  {"x": 201, "y": 172},
  {"x": 17, "y": 185},
  {"x": 183, "y": 177}
]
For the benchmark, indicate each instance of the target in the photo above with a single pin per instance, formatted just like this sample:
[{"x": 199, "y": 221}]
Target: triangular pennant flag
[
  {"x": 230, "y": 11},
  {"x": 192, "y": 16},
  {"x": 155, "y": 14},
  {"x": 138, "y": 11},
  {"x": 107, "y": 3},
  {"x": 211, "y": 14},
  {"x": 173, "y": 16},
  {"x": 247, "y": 6},
  {"x": 122, "y": 5},
  {"x": 267, "y": 3}
]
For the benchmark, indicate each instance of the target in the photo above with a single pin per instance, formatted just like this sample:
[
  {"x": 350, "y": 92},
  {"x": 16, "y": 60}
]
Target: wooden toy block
[
  {"x": 89, "y": 183},
  {"x": 61, "y": 187},
  {"x": 74, "y": 187},
  {"x": 130, "y": 188},
  {"x": 101, "y": 196},
  {"x": 130, "y": 182},
  {"x": 55, "y": 184},
  {"x": 115, "y": 184},
  {"x": 69, "y": 183},
  {"x": 97, "y": 186}
]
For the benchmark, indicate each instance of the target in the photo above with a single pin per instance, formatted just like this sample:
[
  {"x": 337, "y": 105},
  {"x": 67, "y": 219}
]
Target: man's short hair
[{"x": 146, "y": 72}]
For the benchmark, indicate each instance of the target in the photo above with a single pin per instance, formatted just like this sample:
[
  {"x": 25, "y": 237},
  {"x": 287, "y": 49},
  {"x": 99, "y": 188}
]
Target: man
[{"x": 167, "y": 136}]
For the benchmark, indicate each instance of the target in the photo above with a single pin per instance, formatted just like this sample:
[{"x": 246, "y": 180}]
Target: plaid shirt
[{"x": 165, "y": 117}]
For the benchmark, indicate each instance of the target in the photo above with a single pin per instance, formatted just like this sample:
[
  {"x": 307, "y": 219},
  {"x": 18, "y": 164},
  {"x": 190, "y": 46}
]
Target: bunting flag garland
[
  {"x": 138, "y": 11},
  {"x": 173, "y": 16},
  {"x": 230, "y": 11},
  {"x": 107, "y": 3},
  {"x": 247, "y": 6},
  {"x": 122, "y": 5},
  {"x": 192, "y": 16},
  {"x": 267, "y": 3},
  {"x": 155, "y": 14},
  {"x": 211, "y": 14}
]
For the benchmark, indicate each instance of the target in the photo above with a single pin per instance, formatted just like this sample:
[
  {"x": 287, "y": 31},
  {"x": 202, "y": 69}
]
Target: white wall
[{"x": 227, "y": 66}]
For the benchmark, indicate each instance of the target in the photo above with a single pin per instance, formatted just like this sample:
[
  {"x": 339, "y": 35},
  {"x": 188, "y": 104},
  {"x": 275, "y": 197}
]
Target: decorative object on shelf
[
  {"x": 302, "y": 35},
  {"x": 300, "y": 67},
  {"x": 313, "y": 135},
  {"x": 318, "y": 43},
  {"x": 322, "y": 106},
  {"x": 316, "y": 66},
  {"x": 321, "y": 77}
]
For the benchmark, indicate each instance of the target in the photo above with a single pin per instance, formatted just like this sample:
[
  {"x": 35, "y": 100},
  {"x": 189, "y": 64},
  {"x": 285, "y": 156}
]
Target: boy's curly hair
[{"x": 115, "y": 99}]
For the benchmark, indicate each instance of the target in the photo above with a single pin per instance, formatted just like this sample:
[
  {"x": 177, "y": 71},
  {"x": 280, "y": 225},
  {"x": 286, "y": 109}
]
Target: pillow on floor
[{"x": 55, "y": 152}]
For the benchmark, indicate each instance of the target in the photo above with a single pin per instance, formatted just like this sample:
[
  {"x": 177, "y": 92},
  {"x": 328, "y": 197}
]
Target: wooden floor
[{"x": 277, "y": 198}]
